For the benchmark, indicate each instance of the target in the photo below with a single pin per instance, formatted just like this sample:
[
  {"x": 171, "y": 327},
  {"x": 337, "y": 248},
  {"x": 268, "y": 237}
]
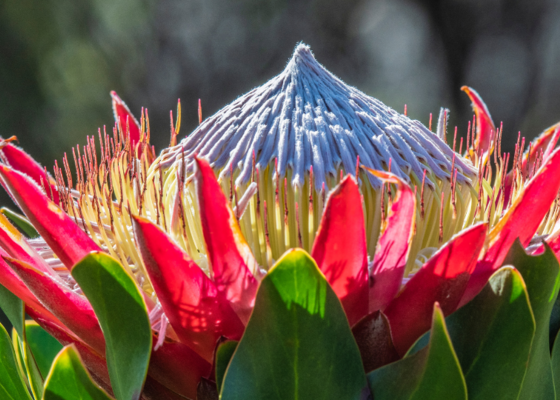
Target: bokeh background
[{"x": 60, "y": 58}]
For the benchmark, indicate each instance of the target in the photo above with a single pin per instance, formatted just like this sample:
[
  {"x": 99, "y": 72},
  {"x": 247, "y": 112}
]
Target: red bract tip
[
  {"x": 442, "y": 279},
  {"x": 14, "y": 284},
  {"x": 393, "y": 246},
  {"x": 126, "y": 119},
  {"x": 520, "y": 221},
  {"x": 482, "y": 143},
  {"x": 20, "y": 161},
  {"x": 229, "y": 255},
  {"x": 198, "y": 314},
  {"x": 173, "y": 140},
  {"x": 340, "y": 248},
  {"x": 545, "y": 142},
  {"x": 16, "y": 246},
  {"x": 62, "y": 235},
  {"x": 72, "y": 309},
  {"x": 95, "y": 363}
]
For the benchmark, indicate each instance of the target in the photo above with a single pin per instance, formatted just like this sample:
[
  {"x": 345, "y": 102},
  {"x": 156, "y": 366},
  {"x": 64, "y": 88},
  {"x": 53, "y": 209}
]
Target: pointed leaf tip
[
  {"x": 431, "y": 373},
  {"x": 13, "y": 283},
  {"x": 60, "y": 232},
  {"x": 125, "y": 118},
  {"x": 43, "y": 346},
  {"x": 12, "y": 386},
  {"x": 95, "y": 363},
  {"x": 68, "y": 371},
  {"x": 198, "y": 314},
  {"x": 297, "y": 321},
  {"x": 541, "y": 275},
  {"x": 492, "y": 336},
  {"x": 544, "y": 144},
  {"x": 122, "y": 314},
  {"x": 485, "y": 128},
  {"x": 17, "y": 246},
  {"x": 340, "y": 248},
  {"x": 20, "y": 222},
  {"x": 393, "y": 246},
  {"x": 72, "y": 309},
  {"x": 232, "y": 263},
  {"x": 521, "y": 221},
  {"x": 20, "y": 161},
  {"x": 442, "y": 279}
]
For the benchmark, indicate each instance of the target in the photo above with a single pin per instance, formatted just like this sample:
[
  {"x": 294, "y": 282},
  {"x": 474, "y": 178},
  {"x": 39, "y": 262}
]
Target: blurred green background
[{"x": 59, "y": 59}]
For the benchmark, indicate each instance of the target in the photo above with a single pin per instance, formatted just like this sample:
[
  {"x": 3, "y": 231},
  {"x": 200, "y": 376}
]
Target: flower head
[
  {"x": 382, "y": 204},
  {"x": 293, "y": 139}
]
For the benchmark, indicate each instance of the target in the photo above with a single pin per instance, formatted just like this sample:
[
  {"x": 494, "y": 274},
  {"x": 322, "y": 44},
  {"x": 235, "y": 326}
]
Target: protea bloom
[{"x": 298, "y": 244}]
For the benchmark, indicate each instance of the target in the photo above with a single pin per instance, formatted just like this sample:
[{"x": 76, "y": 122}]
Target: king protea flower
[{"x": 324, "y": 231}]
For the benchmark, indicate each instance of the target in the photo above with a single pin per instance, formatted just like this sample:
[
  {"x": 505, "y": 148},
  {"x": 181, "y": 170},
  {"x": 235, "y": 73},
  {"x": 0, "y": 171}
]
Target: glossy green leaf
[
  {"x": 223, "y": 357},
  {"x": 13, "y": 308},
  {"x": 123, "y": 317},
  {"x": 297, "y": 344},
  {"x": 69, "y": 379},
  {"x": 18, "y": 353},
  {"x": 43, "y": 346},
  {"x": 12, "y": 385},
  {"x": 541, "y": 275},
  {"x": 554, "y": 324},
  {"x": 431, "y": 373},
  {"x": 20, "y": 222},
  {"x": 28, "y": 366},
  {"x": 492, "y": 337},
  {"x": 33, "y": 373},
  {"x": 555, "y": 358}
]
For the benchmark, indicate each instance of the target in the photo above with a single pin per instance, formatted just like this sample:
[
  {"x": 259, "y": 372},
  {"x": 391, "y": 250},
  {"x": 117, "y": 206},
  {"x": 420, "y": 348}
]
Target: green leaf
[
  {"x": 69, "y": 379},
  {"x": 431, "y": 373},
  {"x": 20, "y": 222},
  {"x": 541, "y": 274},
  {"x": 18, "y": 352},
  {"x": 492, "y": 337},
  {"x": 223, "y": 356},
  {"x": 297, "y": 344},
  {"x": 12, "y": 385},
  {"x": 28, "y": 366},
  {"x": 555, "y": 356},
  {"x": 43, "y": 346},
  {"x": 554, "y": 324},
  {"x": 13, "y": 308},
  {"x": 122, "y": 314}
]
